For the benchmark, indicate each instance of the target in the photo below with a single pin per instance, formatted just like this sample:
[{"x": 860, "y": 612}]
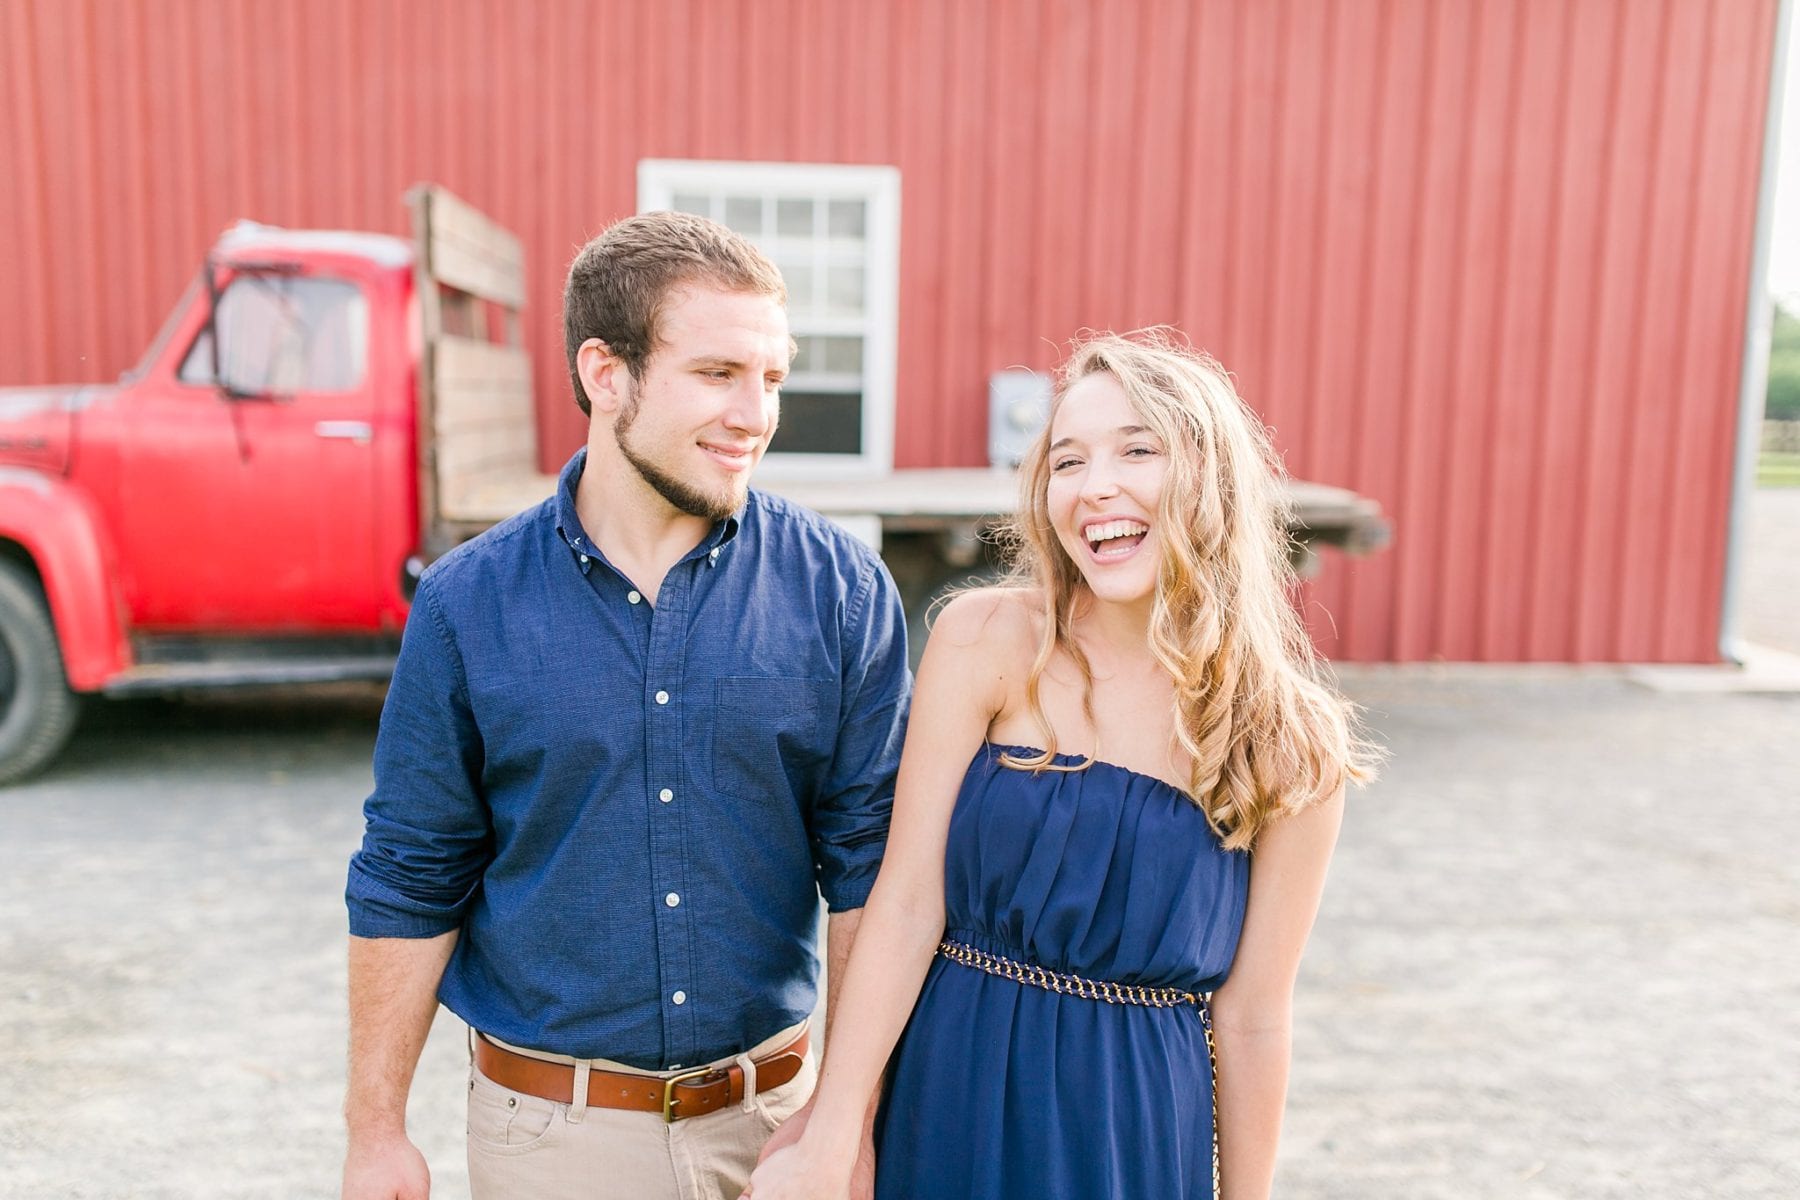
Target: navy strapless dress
[{"x": 1001, "y": 1090}]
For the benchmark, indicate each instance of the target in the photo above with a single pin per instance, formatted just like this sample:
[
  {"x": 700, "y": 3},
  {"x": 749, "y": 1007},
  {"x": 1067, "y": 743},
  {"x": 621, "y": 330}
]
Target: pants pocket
[
  {"x": 502, "y": 1121},
  {"x": 778, "y": 1104}
]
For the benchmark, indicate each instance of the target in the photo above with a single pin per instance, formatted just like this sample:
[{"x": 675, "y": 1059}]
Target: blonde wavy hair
[{"x": 1266, "y": 732}]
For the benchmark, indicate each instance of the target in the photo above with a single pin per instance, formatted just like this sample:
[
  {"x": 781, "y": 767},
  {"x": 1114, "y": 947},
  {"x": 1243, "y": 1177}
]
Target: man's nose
[{"x": 752, "y": 408}]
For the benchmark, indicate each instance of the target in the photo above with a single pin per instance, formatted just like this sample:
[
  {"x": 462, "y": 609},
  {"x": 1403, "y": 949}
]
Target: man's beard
[{"x": 678, "y": 492}]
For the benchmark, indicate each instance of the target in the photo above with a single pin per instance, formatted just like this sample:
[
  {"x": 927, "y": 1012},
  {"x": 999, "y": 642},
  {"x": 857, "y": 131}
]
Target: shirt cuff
[
  {"x": 848, "y": 877},
  {"x": 377, "y": 911}
]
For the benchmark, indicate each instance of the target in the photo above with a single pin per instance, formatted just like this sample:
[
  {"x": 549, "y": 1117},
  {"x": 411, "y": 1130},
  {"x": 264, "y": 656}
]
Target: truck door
[{"x": 250, "y": 507}]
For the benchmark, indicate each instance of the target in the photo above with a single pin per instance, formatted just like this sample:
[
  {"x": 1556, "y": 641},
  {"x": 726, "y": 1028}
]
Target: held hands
[
  {"x": 798, "y": 1172},
  {"x": 793, "y": 1167}
]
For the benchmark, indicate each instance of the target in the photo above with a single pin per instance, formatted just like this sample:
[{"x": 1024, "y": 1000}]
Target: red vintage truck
[{"x": 322, "y": 414}]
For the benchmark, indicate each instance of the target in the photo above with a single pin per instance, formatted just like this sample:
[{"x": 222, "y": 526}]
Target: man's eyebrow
[{"x": 721, "y": 360}]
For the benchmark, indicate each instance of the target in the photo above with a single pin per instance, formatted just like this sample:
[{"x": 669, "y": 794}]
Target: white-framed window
[{"x": 834, "y": 231}]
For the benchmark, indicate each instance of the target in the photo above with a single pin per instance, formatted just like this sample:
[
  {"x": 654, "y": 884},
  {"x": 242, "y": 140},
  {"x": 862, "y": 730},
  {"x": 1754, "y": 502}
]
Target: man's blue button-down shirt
[{"x": 629, "y": 809}]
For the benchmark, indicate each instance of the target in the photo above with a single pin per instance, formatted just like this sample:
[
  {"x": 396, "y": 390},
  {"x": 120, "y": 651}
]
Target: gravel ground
[{"x": 1557, "y": 957}]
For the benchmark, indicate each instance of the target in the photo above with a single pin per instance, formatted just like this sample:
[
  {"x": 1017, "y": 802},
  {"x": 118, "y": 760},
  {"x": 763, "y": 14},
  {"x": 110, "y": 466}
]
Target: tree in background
[{"x": 1783, "y": 402}]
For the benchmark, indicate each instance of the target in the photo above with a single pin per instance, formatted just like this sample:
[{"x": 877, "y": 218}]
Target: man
[{"x": 633, "y": 733}]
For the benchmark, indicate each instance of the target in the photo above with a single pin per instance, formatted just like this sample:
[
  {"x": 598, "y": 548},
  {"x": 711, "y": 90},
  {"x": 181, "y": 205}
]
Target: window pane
[
  {"x": 691, "y": 202},
  {"x": 814, "y": 423},
  {"x": 744, "y": 214},
  {"x": 845, "y": 219},
  {"x": 336, "y": 324},
  {"x": 794, "y": 218},
  {"x": 802, "y": 294},
  {"x": 844, "y": 291},
  {"x": 841, "y": 354},
  {"x": 806, "y": 358}
]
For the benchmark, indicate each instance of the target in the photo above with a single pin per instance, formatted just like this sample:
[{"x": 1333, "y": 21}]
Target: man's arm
[
  {"x": 426, "y": 843},
  {"x": 393, "y": 998},
  {"x": 840, "y": 935}
]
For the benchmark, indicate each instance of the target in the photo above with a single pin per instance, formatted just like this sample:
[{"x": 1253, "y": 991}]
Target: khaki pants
[{"x": 522, "y": 1147}]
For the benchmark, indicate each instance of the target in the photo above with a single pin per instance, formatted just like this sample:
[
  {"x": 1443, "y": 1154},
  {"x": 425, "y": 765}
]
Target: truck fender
[{"x": 59, "y": 528}]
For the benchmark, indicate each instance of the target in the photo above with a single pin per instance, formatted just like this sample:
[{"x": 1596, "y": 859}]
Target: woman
[{"x": 1121, "y": 785}]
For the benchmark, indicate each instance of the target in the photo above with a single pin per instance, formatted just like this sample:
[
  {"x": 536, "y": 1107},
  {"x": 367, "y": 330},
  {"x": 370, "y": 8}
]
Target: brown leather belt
[{"x": 686, "y": 1094}]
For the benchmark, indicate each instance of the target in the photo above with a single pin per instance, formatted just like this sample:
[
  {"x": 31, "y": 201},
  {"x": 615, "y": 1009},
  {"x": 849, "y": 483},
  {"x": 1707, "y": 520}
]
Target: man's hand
[{"x": 387, "y": 1168}]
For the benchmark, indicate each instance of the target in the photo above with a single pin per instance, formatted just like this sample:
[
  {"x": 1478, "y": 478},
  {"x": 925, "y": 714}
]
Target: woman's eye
[
  {"x": 1141, "y": 451},
  {"x": 1060, "y": 463}
]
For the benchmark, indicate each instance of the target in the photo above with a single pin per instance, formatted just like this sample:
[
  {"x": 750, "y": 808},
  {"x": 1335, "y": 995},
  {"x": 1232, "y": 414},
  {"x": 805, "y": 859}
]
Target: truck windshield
[
  {"x": 281, "y": 334},
  {"x": 163, "y": 335}
]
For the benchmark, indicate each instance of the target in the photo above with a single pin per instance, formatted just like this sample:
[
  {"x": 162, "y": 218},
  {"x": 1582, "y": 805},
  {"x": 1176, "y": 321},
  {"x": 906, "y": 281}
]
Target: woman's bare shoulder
[
  {"x": 998, "y": 620},
  {"x": 980, "y": 651}
]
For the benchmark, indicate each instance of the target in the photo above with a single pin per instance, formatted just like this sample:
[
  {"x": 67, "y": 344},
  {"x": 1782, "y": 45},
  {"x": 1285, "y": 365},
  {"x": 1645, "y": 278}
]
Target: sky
[{"x": 1784, "y": 243}]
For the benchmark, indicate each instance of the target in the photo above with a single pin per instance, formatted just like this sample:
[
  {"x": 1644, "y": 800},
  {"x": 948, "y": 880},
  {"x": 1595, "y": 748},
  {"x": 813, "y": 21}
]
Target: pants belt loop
[
  {"x": 578, "y": 1103},
  {"x": 748, "y": 1066}
]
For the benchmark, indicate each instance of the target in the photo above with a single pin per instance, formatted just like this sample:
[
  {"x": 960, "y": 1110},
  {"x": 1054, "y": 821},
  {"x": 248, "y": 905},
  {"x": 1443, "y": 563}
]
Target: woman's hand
[{"x": 801, "y": 1172}]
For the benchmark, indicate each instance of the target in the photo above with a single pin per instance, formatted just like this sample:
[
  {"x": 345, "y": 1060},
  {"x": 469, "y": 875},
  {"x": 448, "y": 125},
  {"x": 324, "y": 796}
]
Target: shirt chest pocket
[{"x": 769, "y": 733}]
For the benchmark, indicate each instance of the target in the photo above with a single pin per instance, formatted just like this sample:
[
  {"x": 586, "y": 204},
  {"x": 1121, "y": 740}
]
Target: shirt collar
[{"x": 568, "y": 522}]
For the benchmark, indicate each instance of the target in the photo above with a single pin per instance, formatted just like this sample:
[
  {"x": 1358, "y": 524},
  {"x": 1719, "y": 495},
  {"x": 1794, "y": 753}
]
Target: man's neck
[{"x": 639, "y": 532}]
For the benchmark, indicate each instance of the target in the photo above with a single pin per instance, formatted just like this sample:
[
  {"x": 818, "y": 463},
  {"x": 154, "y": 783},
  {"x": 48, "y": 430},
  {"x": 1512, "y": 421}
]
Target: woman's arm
[
  {"x": 961, "y": 685},
  {"x": 1252, "y": 1013}
]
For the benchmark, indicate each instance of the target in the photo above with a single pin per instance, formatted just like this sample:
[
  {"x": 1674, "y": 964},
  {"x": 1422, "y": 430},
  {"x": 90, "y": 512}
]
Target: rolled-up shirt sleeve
[
  {"x": 428, "y": 833},
  {"x": 849, "y": 816}
]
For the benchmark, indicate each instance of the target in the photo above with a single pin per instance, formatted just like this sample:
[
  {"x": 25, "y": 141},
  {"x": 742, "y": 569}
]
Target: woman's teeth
[{"x": 1099, "y": 535}]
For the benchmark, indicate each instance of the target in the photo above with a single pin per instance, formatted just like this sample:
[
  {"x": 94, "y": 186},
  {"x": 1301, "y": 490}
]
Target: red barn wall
[{"x": 1485, "y": 262}]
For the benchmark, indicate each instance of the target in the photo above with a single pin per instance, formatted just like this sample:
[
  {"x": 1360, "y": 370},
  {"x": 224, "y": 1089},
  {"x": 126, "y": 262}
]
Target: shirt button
[
  {"x": 662, "y": 697},
  {"x": 672, "y": 900},
  {"x": 679, "y": 997},
  {"x": 665, "y": 795},
  {"x": 584, "y": 560},
  {"x": 631, "y": 596},
  {"x": 713, "y": 553}
]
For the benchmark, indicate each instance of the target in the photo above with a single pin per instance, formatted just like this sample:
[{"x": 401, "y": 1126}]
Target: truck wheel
[{"x": 37, "y": 709}]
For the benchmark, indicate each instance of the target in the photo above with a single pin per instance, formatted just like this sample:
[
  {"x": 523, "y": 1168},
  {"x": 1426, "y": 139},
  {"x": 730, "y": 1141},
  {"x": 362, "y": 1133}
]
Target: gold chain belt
[
  {"x": 1069, "y": 985},
  {"x": 1100, "y": 989}
]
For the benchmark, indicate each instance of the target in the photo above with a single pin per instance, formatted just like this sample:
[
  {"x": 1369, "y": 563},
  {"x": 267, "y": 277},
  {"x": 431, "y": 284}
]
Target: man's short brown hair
[{"x": 619, "y": 282}]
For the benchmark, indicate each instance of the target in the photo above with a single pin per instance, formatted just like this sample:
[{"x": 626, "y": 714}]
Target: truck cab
[{"x": 245, "y": 506}]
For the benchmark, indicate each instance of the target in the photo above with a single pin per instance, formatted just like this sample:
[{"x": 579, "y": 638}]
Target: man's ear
[{"x": 603, "y": 376}]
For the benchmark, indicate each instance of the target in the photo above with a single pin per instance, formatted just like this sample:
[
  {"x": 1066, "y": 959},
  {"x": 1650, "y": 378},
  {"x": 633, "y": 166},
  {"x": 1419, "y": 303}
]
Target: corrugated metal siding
[{"x": 1483, "y": 261}]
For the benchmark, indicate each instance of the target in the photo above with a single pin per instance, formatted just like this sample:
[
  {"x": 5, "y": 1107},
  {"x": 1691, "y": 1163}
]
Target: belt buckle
[{"x": 669, "y": 1101}]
